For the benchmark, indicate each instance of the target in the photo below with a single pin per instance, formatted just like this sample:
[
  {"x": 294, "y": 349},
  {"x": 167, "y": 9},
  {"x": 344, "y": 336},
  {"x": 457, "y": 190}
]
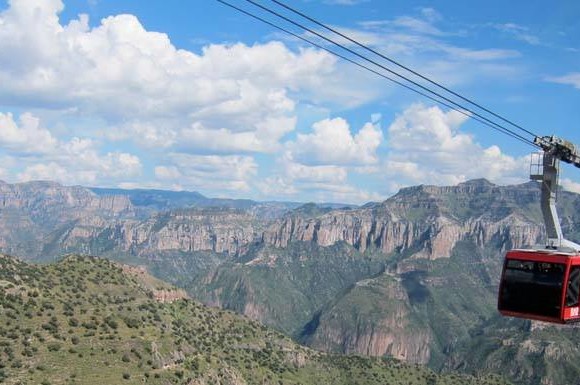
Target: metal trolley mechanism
[{"x": 543, "y": 283}]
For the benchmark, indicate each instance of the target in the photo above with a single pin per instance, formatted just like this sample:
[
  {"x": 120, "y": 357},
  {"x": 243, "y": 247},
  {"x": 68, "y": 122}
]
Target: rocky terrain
[{"x": 414, "y": 277}]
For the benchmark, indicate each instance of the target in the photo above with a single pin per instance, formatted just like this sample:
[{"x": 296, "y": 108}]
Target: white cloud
[
  {"x": 431, "y": 14},
  {"x": 518, "y": 32},
  {"x": 87, "y": 169},
  {"x": 331, "y": 142},
  {"x": 570, "y": 185},
  {"x": 322, "y": 183},
  {"x": 265, "y": 137},
  {"x": 572, "y": 79},
  {"x": 428, "y": 147},
  {"x": 39, "y": 155},
  {"x": 167, "y": 173},
  {"x": 138, "y": 82},
  {"x": 44, "y": 171},
  {"x": 26, "y": 137},
  {"x": 209, "y": 172},
  {"x": 315, "y": 174},
  {"x": 154, "y": 133}
]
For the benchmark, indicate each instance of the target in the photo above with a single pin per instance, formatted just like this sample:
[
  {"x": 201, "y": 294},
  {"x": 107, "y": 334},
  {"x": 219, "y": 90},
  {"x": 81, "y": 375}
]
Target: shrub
[{"x": 53, "y": 347}]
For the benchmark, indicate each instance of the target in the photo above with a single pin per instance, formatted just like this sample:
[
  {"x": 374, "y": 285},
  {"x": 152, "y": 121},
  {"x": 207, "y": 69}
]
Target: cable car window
[
  {"x": 573, "y": 287},
  {"x": 532, "y": 287},
  {"x": 520, "y": 265}
]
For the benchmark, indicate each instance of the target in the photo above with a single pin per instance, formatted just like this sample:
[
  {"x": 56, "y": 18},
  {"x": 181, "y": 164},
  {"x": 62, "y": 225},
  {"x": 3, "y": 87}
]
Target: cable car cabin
[{"x": 541, "y": 285}]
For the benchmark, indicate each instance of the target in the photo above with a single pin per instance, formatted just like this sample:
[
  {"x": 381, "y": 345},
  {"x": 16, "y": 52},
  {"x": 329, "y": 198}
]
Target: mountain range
[{"x": 414, "y": 277}]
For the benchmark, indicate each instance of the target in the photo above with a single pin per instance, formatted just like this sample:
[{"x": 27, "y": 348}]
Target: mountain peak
[{"x": 479, "y": 182}]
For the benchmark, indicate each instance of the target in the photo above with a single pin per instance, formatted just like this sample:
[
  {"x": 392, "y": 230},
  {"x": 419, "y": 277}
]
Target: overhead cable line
[
  {"x": 402, "y": 66},
  {"x": 319, "y": 46},
  {"x": 386, "y": 69},
  {"x": 457, "y": 107}
]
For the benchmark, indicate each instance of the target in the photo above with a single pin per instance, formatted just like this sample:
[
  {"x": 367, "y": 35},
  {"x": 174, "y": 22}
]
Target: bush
[
  {"x": 53, "y": 347},
  {"x": 132, "y": 322},
  {"x": 111, "y": 323}
]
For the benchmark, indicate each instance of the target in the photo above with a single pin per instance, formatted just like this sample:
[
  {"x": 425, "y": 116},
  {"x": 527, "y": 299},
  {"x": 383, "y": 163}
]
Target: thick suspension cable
[
  {"x": 402, "y": 66},
  {"x": 277, "y": 14},
  {"x": 463, "y": 112}
]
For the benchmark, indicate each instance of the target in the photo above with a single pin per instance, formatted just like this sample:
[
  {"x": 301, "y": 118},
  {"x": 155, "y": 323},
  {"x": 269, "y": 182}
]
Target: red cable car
[{"x": 543, "y": 283}]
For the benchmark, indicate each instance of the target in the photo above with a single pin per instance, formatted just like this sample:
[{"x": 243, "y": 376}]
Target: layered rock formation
[
  {"x": 40, "y": 198},
  {"x": 416, "y": 217}
]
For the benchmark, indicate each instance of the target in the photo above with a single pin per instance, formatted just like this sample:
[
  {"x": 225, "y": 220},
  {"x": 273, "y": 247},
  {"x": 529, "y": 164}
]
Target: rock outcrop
[{"x": 382, "y": 330}]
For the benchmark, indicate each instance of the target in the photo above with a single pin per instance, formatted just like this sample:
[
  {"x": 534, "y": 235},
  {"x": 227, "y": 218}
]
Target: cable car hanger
[
  {"x": 543, "y": 283},
  {"x": 555, "y": 150}
]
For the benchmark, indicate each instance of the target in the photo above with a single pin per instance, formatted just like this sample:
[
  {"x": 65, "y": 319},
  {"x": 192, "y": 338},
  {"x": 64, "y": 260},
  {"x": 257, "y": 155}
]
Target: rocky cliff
[
  {"x": 37, "y": 218},
  {"x": 41, "y": 198},
  {"x": 418, "y": 217},
  {"x": 431, "y": 218}
]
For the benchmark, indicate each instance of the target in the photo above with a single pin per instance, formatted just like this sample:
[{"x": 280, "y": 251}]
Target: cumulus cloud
[
  {"x": 331, "y": 142},
  {"x": 211, "y": 173},
  {"x": 265, "y": 137},
  {"x": 570, "y": 185},
  {"x": 154, "y": 133},
  {"x": 428, "y": 147},
  {"x": 131, "y": 77},
  {"x": 317, "y": 164},
  {"x": 324, "y": 183},
  {"x": 25, "y": 137},
  {"x": 41, "y": 156},
  {"x": 205, "y": 109}
]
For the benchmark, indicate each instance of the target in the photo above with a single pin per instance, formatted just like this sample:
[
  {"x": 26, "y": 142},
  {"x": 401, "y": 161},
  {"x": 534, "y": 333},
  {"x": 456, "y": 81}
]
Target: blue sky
[{"x": 195, "y": 96}]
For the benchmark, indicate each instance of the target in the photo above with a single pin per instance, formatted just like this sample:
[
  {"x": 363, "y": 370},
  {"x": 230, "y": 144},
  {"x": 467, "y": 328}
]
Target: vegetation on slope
[{"x": 88, "y": 321}]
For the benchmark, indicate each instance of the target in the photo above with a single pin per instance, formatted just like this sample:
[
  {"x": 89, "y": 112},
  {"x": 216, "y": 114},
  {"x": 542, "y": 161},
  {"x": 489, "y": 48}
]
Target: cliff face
[
  {"x": 382, "y": 325},
  {"x": 436, "y": 235},
  {"x": 429, "y": 217},
  {"x": 397, "y": 225},
  {"x": 37, "y": 218},
  {"x": 417, "y": 218},
  {"x": 224, "y": 231},
  {"x": 40, "y": 198}
]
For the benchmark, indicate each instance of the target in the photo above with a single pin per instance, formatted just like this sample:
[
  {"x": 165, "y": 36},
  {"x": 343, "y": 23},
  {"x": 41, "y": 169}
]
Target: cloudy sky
[{"x": 196, "y": 96}]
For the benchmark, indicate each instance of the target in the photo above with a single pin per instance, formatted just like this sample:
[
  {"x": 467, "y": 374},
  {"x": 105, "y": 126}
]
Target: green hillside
[{"x": 90, "y": 321}]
